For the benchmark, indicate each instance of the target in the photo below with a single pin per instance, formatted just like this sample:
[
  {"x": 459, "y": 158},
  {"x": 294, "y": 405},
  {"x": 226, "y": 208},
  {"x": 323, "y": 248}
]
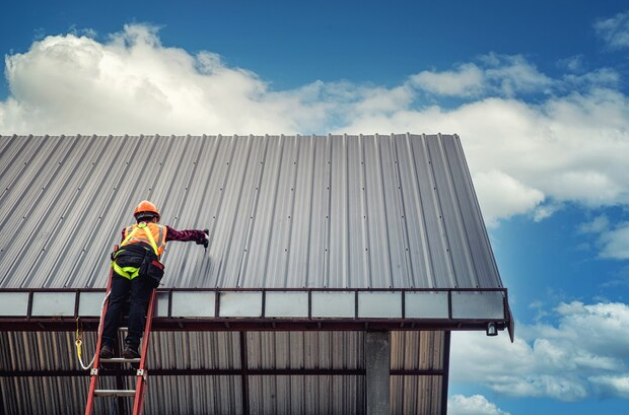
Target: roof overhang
[{"x": 281, "y": 309}]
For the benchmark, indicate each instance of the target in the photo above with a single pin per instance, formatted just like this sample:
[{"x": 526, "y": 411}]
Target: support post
[{"x": 378, "y": 367}]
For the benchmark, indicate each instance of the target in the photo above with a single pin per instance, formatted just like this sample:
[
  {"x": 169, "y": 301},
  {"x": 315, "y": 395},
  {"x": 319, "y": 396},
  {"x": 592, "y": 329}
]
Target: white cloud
[
  {"x": 584, "y": 355},
  {"x": 613, "y": 240},
  {"x": 616, "y": 242},
  {"x": 512, "y": 74},
  {"x": 569, "y": 147},
  {"x": 597, "y": 225},
  {"x": 614, "y": 31},
  {"x": 132, "y": 84},
  {"x": 502, "y": 196},
  {"x": 472, "y": 405},
  {"x": 573, "y": 63},
  {"x": 546, "y": 211},
  {"x": 612, "y": 385},
  {"x": 467, "y": 80},
  {"x": 599, "y": 77},
  {"x": 498, "y": 74}
]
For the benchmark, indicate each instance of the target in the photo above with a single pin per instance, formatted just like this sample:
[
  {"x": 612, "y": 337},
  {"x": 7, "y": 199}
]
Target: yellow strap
[
  {"x": 128, "y": 238},
  {"x": 132, "y": 272},
  {"x": 127, "y": 272},
  {"x": 148, "y": 233}
]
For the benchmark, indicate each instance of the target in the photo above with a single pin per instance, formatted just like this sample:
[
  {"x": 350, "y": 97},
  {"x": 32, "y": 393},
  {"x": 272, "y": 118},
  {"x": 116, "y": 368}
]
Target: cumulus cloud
[
  {"x": 612, "y": 385},
  {"x": 472, "y": 405},
  {"x": 574, "y": 63},
  {"x": 502, "y": 195},
  {"x": 614, "y": 31},
  {"x": 467, "y": 80},
  {"x": 494, "y": 74},
  {"x": 131, "y": 84},
  {"x": 512, "y": 74},
  {"x": 568, "y": 149},
  {"x": 597, "y": 225},
  {"x": 585, "y": 354},
  {"x": 613, "y": 240},
  {"x": 616, "y": 242},
  {"x": 569, "y": 146}
]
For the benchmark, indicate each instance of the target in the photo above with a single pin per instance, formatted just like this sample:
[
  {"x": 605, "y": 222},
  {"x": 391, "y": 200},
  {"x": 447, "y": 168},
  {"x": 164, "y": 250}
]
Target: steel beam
[{"x": 378, "y": 368}]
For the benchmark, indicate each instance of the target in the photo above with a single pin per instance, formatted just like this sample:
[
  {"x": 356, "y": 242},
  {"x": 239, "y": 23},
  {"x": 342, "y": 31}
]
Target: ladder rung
[
  {"x": 120, "y": 360},
  {"x": 114, "y": 392}
]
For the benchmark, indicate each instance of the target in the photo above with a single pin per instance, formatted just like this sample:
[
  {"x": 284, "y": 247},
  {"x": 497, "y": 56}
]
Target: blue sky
[{"x": 537, "y": 91}]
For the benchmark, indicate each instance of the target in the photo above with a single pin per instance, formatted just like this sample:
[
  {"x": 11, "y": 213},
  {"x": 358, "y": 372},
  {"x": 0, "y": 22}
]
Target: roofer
[{"x": 137, "y": 272}]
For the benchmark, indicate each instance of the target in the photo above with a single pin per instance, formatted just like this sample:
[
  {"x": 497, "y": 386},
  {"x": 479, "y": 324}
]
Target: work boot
[
  {"x": 106, "y": 352},
  {"x": 130, "y": 352}
]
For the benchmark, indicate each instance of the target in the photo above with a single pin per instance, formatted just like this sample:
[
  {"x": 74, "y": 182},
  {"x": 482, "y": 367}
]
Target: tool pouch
[
  {"x": 151, "y": 270},
  {"x": 154, "y": 271}
]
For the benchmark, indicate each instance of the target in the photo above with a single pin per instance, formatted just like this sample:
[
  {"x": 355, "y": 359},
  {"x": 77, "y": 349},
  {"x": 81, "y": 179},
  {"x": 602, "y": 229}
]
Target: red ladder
[{"x": 141, "y": 373}]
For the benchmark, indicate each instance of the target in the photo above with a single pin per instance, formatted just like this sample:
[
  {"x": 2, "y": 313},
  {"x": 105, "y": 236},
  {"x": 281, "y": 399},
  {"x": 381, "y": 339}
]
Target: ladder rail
[
  {"x": 140, "y": 388},
  {"x": 141, "y": 373},
  {"x": 96, "y": 367}
]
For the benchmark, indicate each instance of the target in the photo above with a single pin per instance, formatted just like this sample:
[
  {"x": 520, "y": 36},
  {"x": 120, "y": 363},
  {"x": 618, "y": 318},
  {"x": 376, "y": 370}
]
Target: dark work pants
[{"x": 139, "y": 293}]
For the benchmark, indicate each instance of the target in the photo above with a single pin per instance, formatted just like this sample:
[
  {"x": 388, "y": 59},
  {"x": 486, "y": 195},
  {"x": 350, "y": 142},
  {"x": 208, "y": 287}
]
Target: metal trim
[
  {"x": 216, "y": 372},
  {"x": 244, "y": 372},
  {"x": 174, "y": 323},
  {"x": 253, "y": 324},
  {"x": 446, "y": 373}
]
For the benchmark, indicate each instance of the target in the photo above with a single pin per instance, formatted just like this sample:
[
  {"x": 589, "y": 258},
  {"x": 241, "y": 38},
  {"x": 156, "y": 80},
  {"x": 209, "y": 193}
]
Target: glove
[{"x": 206, "y": 241}]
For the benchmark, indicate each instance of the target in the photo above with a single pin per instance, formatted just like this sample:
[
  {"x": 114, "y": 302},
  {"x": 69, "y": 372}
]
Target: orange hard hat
[{"x": 146, "y": 208}]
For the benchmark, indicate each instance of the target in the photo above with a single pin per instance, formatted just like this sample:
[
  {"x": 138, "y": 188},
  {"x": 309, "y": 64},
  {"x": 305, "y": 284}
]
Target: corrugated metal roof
[
  {"x": 272, "y": 362},
  {"x": 283, "y": 211}
]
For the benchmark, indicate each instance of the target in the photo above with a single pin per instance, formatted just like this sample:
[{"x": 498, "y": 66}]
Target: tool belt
[{"x": 138, "y": 260}]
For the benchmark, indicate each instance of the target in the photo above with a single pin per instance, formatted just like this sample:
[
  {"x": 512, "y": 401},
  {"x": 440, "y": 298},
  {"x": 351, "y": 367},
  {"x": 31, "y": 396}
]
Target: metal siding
[
  {"x": 338, "y": 269},
  {"x": 475, "y": 232},
  {"x": 194, "y": 395},
  {"x": 272, "y": 217},
  {"x": 298, "y": 260},
  {"x": 455, "y": 239},
  {"x": 397, "y": 238},
  {"x": 270, "y": 351},
  {"x": 186, "y": 210},
  {"x": 317, "y": 257},
  {"x": 376, "y": 218},
  {"x": 282, "y": 211},
  {"x": 307, "y": 395},
  {"x": 416, "y": 395},
  {"x": 209, "y": 204},
  {"x": 359, "y": 275}
]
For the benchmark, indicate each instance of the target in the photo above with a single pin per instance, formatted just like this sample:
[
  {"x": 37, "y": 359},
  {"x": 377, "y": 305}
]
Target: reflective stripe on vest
[{"x": 151, "y": 234}]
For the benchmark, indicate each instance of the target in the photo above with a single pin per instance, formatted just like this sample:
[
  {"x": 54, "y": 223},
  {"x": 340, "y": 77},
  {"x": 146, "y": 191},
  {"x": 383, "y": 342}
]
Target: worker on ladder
[{"x": 137, "y": 271}]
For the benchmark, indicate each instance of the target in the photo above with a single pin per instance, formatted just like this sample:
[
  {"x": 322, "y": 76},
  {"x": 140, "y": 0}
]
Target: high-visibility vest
[
  {"x": 151, "y": 234},
  {"x": 139, "y": 233}
]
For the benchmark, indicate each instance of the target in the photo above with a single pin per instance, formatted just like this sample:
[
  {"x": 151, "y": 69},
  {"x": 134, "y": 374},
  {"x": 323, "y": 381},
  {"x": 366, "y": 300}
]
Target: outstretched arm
[{"x": 189, "y": 235}]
